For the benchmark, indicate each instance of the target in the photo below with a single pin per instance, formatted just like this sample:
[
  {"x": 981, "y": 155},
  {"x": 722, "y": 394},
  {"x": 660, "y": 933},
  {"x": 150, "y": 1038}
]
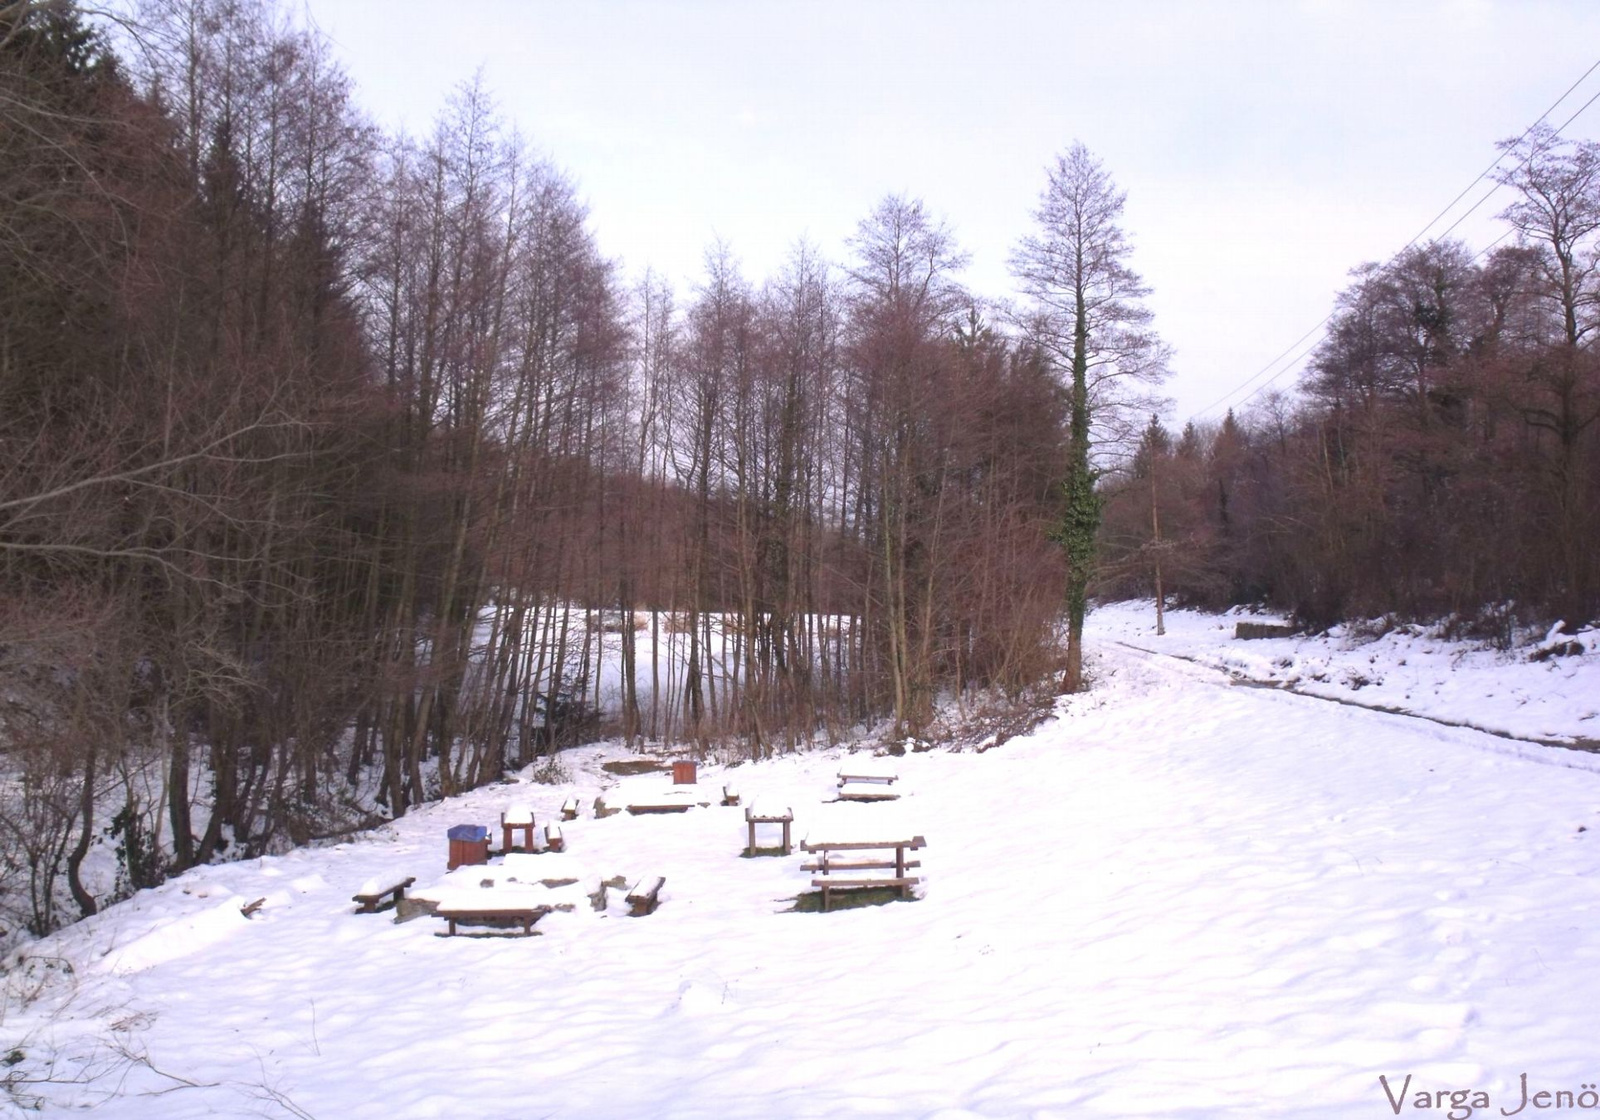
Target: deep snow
[{"x": 1179, "y": 898}]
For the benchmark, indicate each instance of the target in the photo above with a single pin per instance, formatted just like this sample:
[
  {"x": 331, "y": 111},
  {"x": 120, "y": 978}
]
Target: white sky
[{"x": 1267, "y": 146}]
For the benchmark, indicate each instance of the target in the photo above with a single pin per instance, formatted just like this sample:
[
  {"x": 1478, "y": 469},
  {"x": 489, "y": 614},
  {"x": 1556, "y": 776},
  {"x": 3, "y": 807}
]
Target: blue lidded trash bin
[{"x": 469, "y": 843}]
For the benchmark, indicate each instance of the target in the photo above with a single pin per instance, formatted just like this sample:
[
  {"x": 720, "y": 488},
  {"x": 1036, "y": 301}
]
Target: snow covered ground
[
  {"x": 1522, "y": 692},
  {"x": 1179, "y": 898}
]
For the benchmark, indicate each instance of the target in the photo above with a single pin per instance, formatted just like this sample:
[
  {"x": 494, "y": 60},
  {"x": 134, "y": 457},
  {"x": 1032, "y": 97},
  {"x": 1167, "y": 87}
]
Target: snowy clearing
[
  {"x": 1180, "y": 898},
  {"x": 1524, "y": 692}
]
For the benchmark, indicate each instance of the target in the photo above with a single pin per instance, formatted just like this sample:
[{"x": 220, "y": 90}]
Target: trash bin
[
  {"x": 683, "y": 774},
  {"x": 469, "y": 843}
]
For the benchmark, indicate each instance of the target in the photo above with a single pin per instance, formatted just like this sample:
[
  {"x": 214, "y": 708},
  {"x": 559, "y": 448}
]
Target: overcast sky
[{"x": 1266, "y": 147}]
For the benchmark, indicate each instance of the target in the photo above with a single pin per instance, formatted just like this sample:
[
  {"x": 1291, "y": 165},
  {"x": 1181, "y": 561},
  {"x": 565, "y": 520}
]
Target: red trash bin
[{"x": 469, "y": 844}]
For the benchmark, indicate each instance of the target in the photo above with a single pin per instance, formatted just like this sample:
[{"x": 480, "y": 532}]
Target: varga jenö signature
[{"x": 1464, "y": 1103}]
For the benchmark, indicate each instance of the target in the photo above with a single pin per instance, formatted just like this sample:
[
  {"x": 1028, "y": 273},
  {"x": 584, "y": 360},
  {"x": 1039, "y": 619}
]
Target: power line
[
  {"x": 1419, "y": 235},
  {"x": 1496, "y": 162}
]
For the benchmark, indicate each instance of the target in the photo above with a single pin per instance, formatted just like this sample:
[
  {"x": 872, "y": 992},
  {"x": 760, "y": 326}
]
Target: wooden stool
[{"x": 757, "y": 814}]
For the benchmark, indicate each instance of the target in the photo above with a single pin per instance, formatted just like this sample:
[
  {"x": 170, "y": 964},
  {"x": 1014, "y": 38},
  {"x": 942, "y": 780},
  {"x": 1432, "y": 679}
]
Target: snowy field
[{"x": 1180, "y": 898}]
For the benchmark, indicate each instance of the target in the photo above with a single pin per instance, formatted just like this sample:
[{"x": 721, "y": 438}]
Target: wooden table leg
[{"x": 750, "y": 849}]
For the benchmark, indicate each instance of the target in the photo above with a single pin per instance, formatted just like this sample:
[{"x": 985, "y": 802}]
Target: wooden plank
[
  {"x": 809, "y": 845},
  {"x": 855, "y": 884},
  {"x": 866, "y": 791},
  {"x": 825, "y": 866}
]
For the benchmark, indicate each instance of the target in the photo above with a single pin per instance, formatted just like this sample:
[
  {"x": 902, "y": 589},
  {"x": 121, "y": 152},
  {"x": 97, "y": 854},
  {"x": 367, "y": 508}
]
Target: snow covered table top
[
  {"x": 766, "y": 812},
  {"x": 866, "y": 772},
  {"x": 854, "y": 790},
  {"x": 667, "y": 799}
]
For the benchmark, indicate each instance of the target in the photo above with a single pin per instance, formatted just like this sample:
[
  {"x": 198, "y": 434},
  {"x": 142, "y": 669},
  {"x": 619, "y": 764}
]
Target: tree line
[
  {"x": 341, "y": 470},
  {"x": 1441, "y": 457}
]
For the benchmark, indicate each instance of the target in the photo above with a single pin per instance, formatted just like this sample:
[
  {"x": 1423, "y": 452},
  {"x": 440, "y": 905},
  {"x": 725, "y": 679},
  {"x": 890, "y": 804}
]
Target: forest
[{"x": 336, "y": 466}]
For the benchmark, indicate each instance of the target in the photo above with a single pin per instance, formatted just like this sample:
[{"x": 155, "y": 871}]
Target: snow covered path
[{"x": 1179, "y": 899}]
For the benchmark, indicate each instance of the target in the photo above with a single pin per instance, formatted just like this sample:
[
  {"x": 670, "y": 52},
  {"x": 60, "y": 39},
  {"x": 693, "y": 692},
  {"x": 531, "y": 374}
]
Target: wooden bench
[
  {"x": 903, "y": 882},
  {"x": 553, "y": 840},
  {"x": 756, "y": 813},
  {"x": 645, "y": 895},
  {"x": 827, "y": 863},
  {"x": 373, "y": 901},
  {"x": 867, "y": 774},
  {"x": 730, "y": 796},
  {"x": 569, "y": 809},
  {"x": 516, "y": 818},
  {"x": 485, "y": 913}
]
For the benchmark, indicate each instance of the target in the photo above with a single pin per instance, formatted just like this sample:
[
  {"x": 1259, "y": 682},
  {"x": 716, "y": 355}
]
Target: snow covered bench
[
  {"x": 827, "y": 863},
  {"x": 373, "y": 892},
  {"x": 645, "y": 895},
  {"x": 552, "y": 838},
  {"x": 866, "y": 772},
  {"x": 489, "y": 912},
  {"x": 516, "y": 818},
  {"x": 569, "y": 809},
  {"x": 903, "y": 882},
  {"x": 856, "y": 789},
  {"x": 730, "y": 796}
]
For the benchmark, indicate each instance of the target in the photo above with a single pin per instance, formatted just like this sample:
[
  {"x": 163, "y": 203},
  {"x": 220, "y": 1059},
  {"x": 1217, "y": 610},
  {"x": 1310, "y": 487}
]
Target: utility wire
[
  {"x": 1326, "y": 319},
  {"x": 1298, "y": 358}
]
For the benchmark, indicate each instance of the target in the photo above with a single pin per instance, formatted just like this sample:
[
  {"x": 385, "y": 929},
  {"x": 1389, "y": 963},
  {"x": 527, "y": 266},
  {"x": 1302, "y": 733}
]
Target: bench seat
[
  {"x": 859, "y": 773},
  {"x": 828, "y": 884},
  {"x": 488, "y": 912},
  {"x": 645, "y": 895},
  {"x": 372, "y": 900}
]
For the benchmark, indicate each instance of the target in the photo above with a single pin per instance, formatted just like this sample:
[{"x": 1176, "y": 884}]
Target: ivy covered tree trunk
[
  {"x": 1088, "y": 321},
  {"x": 1080, "y": 519}
]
